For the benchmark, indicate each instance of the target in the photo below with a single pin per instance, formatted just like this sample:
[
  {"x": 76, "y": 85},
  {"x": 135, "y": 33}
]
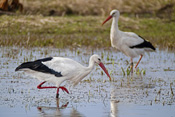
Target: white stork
[
  {"x": 129, "y": 43},
  {"x": 58, "y": 69}
]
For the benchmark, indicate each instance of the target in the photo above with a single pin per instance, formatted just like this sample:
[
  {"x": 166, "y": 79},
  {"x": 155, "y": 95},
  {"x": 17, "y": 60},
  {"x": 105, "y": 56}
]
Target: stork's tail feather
[
  {"x": 149, "y": 45},
  {"x": 23, "y": 65},
  {"x": 17, "y": 69},
  {"x": 144, "y": 44}
]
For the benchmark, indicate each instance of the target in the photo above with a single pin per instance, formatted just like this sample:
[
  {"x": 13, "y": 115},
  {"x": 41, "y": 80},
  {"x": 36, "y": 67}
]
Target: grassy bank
[{"x": 77, "y": 31}]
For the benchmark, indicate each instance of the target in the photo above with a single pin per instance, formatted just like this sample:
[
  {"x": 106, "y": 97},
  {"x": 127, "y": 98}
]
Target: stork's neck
[
  {"x": 91, "y": 65},
  {"x": 114, "y": 25},
  {"x": 84, "y": 71},
  {"x": 115, "y": 32}
]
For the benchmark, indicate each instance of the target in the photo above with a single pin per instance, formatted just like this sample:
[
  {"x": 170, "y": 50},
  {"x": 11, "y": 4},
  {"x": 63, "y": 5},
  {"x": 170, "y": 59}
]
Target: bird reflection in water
[
  {"x": 113, "y": 102},
  {"x": 58, "y": 110},
  {"x": 52, "y": 110}
]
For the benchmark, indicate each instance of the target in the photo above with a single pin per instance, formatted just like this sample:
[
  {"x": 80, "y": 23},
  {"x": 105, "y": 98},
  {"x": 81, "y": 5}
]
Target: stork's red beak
[
  {"x": 107, "y": 20},
  {"x": 104, "y": 69}
]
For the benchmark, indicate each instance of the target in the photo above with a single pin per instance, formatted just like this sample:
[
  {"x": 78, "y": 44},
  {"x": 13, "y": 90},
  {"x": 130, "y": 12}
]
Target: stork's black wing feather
[
  {"x": 144, "y": 44},
  {"x": 39, "y": 66}
]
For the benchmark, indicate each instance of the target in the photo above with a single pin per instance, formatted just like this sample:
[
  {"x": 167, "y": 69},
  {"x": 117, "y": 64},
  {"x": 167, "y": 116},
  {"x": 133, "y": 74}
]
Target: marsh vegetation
[
  {"x": 77, "y": 23},
  {"x": 72, "y": 28}
]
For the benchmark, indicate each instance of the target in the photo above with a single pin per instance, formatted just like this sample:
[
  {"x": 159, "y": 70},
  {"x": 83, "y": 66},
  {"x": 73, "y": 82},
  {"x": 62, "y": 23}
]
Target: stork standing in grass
[
  {"x": 129, "y": 43},
  {"x": 58, "y": 69}
]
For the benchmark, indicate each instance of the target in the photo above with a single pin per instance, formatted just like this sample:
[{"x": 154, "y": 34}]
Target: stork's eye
[{"x": 99, "y": 59}]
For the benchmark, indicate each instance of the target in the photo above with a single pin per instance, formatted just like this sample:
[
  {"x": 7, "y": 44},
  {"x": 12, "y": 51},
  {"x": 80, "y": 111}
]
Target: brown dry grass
[{"x": 93, "y": 7}]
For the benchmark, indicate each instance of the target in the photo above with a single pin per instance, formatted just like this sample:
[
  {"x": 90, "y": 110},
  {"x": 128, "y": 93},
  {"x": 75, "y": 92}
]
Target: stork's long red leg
[
  {"x": 63, "y": 88},
  {"x": 139, "y": 61},
  {"x": 57, "y": 94},
  {"x": 131, "y": 65},
  {"x": 39, "y": 86}
]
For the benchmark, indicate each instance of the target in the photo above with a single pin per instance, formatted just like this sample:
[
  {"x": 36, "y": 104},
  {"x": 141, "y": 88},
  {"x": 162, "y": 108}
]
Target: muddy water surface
[{"x": 150, "y": 91}]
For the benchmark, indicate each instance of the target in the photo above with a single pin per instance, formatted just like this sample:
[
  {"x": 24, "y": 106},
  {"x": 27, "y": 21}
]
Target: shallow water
[{"x": 141, "y": 94}]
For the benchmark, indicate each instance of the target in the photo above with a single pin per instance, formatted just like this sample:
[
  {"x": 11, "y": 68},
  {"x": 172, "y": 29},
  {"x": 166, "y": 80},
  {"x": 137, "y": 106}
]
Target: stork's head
[
  {"x": 113, "y": 13},
  {"x": 97, "y": 60}
]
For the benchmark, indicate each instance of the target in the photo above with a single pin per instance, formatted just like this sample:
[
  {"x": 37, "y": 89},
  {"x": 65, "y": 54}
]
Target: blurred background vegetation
[
  {"x": 62, "y": 23},
  {"x": 159, "y": 8}
]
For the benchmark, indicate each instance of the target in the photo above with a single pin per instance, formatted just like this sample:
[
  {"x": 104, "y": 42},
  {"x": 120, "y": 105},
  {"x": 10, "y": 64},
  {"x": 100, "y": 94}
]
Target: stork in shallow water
[
  {"x": 129, "y": 43},
  {"x": 58, "y": 69}
]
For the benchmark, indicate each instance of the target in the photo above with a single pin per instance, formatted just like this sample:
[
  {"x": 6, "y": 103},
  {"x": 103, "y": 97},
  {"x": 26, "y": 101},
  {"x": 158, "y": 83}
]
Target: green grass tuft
[{"x": 78, "y": 31}]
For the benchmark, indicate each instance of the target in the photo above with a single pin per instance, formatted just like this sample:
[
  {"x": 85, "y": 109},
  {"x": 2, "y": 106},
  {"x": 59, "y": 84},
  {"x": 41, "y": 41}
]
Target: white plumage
[
  {"x": 131, "y": 44},
  {"x": 58, "y": 69}
]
